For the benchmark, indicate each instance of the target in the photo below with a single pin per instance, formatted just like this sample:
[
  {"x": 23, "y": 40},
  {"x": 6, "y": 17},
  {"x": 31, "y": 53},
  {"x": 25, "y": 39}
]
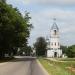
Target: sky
[{"x": 42, "y": 13}]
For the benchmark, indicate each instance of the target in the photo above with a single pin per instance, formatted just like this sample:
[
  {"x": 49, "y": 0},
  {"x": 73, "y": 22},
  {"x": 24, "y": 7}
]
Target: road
[{"x": 21, "y": 66}]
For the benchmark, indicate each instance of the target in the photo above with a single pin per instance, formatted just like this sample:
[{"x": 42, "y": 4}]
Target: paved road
[{"x": 21, "y": 66}]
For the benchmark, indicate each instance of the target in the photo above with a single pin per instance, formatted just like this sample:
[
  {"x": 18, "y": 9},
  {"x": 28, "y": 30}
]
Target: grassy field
[{"x": 58, "y": 68}]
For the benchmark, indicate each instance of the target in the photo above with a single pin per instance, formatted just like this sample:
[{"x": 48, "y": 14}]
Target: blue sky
[{"x": 43, "y": 12}]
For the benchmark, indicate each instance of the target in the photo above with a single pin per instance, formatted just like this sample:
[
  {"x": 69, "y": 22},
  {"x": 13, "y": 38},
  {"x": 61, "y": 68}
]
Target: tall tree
[
  {"x": 71, "y": 51},
  {"x": 64, "y": 49},
  {"x": 14, "y": 28},
  {"x": 27, "y": 50},
  {"x": 40, "y": 46}
]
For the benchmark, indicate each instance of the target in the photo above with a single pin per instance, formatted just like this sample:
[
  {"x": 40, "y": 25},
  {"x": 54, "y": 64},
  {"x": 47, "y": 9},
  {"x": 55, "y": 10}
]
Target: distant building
[{"x": 53, "y": 43}]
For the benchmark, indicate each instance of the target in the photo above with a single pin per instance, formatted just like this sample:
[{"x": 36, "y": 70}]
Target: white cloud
[
  {"x": 47, "y": 2},
  {"x": 51, "y": 2}
]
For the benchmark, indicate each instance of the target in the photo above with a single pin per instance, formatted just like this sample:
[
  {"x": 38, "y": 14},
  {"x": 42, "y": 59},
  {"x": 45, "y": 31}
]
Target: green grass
[
  {"x": 66, "y": 59},
  {"x": 57, "y": 68}
]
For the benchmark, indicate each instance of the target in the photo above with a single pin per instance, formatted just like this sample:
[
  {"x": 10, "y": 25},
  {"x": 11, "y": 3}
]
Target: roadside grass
[
  {"x": 65, "y": 59},
  {"x": 57, "y": 68}
]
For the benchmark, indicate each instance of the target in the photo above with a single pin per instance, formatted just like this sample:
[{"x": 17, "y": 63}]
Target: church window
[
  {"x": 55, "y": 32},
  {"x": 55, "y": 43}
]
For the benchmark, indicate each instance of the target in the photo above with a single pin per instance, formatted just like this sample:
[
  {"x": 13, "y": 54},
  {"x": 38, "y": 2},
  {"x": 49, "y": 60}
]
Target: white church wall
[
  {"x": 59, "y": 53},
  {"x": 53, "y": 41},
  {"x": 53, "y": 35},
  {"x": 50, "y": 53}
]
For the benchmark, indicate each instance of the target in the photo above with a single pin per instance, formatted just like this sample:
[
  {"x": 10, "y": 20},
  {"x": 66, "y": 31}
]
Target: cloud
[
  {"x": 45, "y": 2},
  {"x": 58, "y": 2},
  {"x": 51, "y": 2}
]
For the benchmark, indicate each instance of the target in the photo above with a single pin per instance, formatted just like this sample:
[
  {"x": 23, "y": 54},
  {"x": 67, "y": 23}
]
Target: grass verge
[
  {"x": 57, "y": 68},
  {"x": 65, "y": 59}
]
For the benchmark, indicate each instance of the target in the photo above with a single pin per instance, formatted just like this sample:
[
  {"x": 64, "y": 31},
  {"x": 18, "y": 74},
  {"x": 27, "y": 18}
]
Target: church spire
[{"x": 54, "y": 26}]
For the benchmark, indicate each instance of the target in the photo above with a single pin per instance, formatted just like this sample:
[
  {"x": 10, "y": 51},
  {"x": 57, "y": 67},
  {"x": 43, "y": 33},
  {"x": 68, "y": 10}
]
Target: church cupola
[
  {"x": 54, "y": 26},
  {"x": 54, "y": 30}
]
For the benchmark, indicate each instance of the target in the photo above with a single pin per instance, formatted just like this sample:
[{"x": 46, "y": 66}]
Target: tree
[
  {"x": 40, "y": 46},
  {"x": 27, "y": 50},
  {"x": 4, "y": 1},
  {"x": 71, "y": 51},
  {"x": 14, "y": 28},
  {"x": 64, "y": 49}
]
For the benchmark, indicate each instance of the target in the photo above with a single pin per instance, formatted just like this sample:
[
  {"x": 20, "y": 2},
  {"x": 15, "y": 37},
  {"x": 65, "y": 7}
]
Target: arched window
[
  {"x": 55, "y": 43},
  {"x": 55, "y": 32}
]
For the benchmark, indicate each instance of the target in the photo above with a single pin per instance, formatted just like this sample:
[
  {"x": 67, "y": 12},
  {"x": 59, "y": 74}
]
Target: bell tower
[
  {"x": 54, "y": 48},
  {"x": 54, "y": 36}
]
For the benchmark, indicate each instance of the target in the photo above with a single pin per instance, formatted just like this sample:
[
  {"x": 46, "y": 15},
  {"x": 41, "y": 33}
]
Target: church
[{"x": 53, "y": 43}]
